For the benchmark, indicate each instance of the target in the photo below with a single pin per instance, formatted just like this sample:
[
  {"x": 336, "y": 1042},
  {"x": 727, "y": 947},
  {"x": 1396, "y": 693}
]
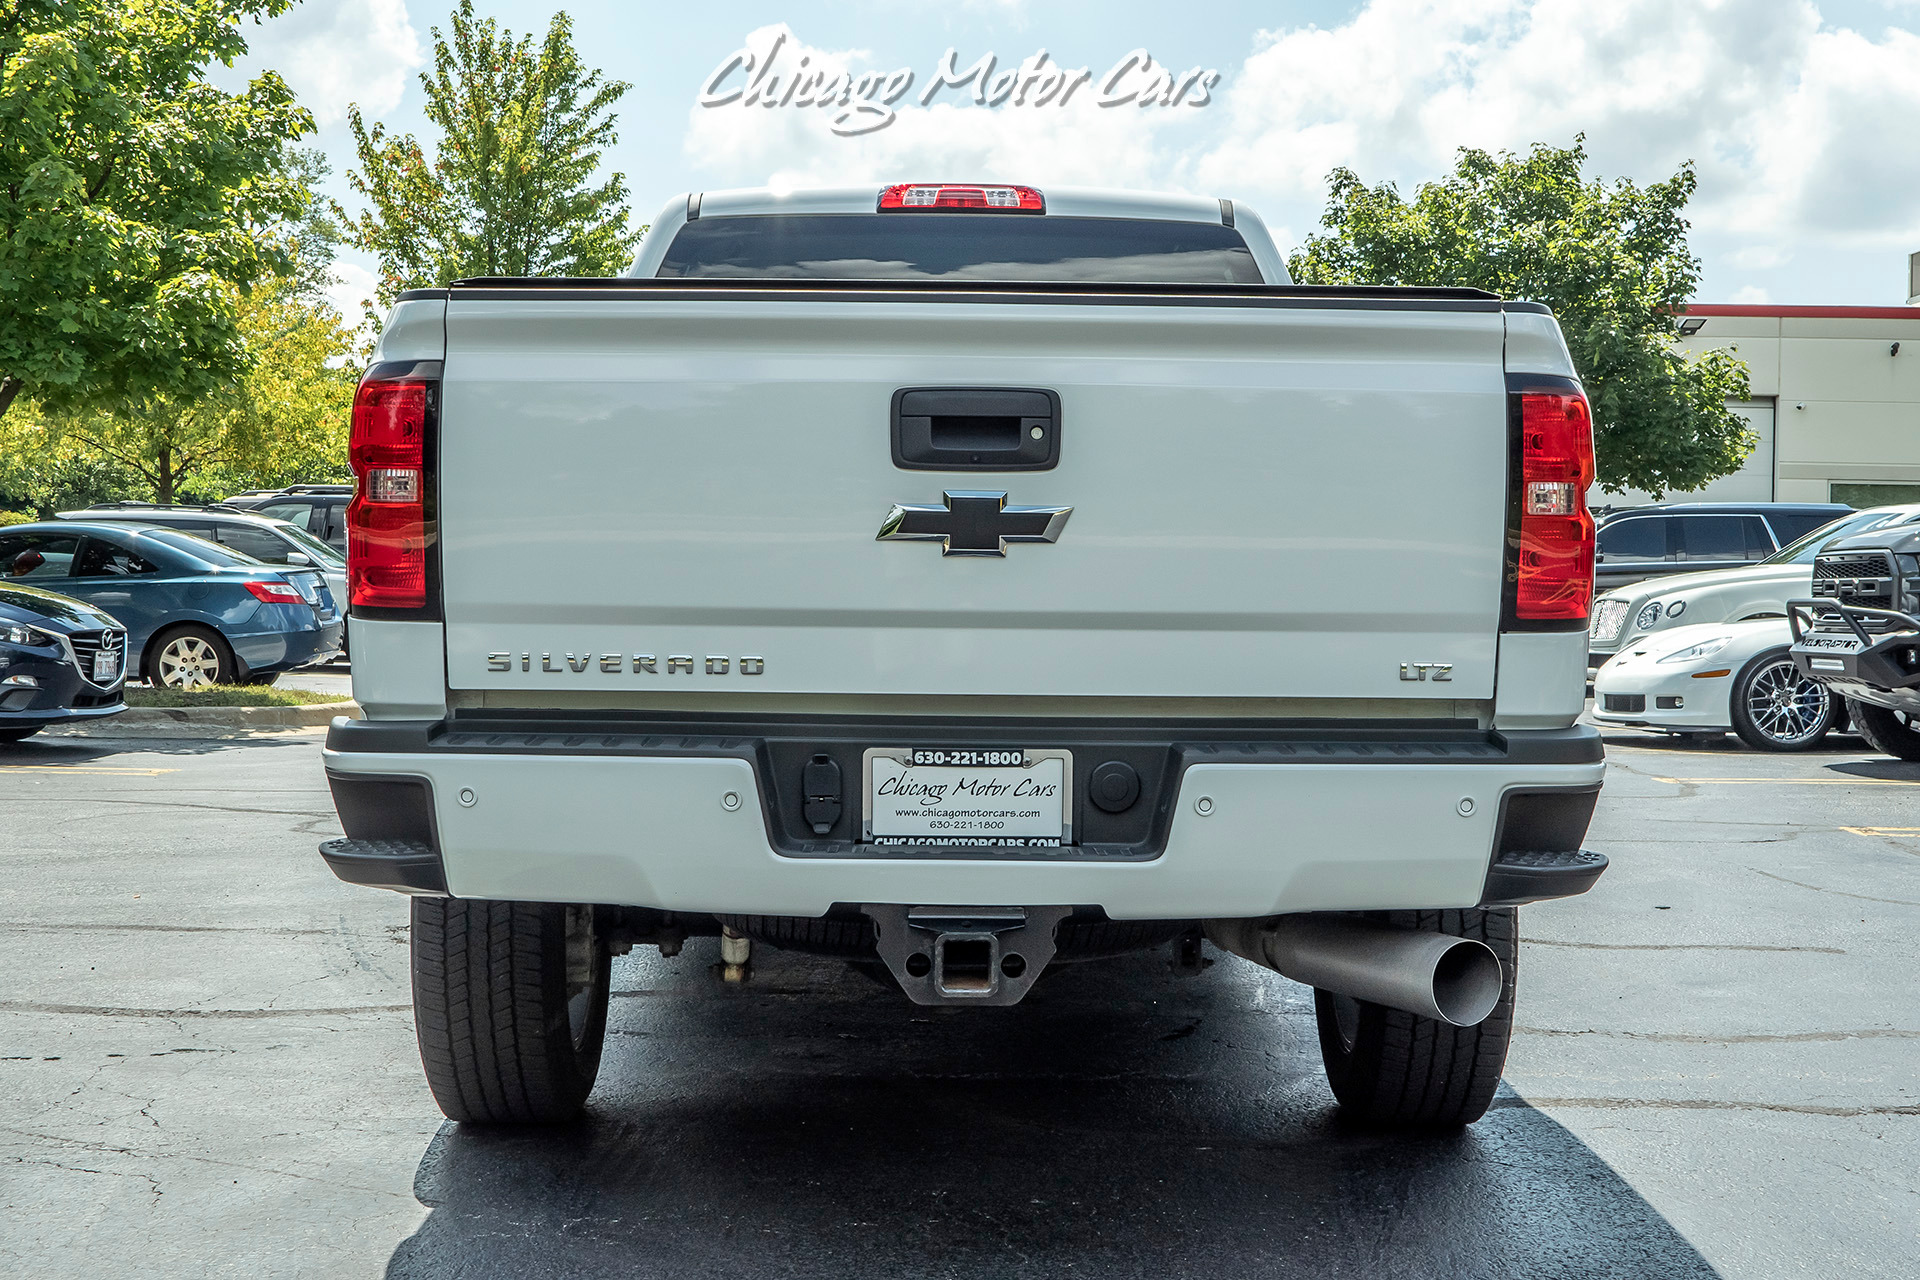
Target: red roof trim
[{"x": 1805, "y": 313}]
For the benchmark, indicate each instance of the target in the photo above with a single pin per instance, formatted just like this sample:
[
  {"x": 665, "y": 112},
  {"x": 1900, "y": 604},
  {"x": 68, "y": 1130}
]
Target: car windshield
[
  {"x": 1803, "y": 551},
  {"x": 323, "y": 555},
  {"x": 202, "y": 550}
]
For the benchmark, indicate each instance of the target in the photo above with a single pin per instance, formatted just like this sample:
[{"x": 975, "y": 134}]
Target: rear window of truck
[{"x": 995, "y": 247}]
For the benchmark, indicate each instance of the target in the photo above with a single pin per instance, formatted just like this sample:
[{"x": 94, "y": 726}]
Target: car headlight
[
  {"x": 16, "y": 634},
  {"x": 1705, "y": 649},
  {"x": 1609, "y": 617},
  {"x": 1649, "y": 616}
]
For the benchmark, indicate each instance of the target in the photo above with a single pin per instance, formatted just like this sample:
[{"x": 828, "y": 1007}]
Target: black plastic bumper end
[
  {"x": 391, "y": 840},
  {"x": 1528, "y": 876},
  {"x": 406, "y": 866}
]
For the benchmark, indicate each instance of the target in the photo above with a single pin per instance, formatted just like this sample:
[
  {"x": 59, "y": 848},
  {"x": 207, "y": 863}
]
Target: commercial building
[{"x": 1835, "y": 401}]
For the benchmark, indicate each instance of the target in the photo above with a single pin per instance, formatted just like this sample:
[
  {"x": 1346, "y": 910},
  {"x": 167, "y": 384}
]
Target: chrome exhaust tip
[{"x": 1434, "y": 975}]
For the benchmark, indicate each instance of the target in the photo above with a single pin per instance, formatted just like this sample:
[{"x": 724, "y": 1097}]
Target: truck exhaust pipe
[{"x": 1435, "y": 975}]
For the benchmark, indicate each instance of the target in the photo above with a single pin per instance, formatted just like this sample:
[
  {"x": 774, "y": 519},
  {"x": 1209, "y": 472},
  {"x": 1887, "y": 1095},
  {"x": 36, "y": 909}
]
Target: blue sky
[{"x": 1801, "y": 115}]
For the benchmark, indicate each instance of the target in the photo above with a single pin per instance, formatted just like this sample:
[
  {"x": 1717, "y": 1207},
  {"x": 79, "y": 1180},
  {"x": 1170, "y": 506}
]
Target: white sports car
[{"x": 1718, "y": 676}]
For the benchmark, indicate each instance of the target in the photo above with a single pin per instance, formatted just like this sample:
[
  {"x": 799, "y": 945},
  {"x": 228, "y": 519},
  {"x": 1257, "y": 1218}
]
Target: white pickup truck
[{"x": 967, "y": 580}]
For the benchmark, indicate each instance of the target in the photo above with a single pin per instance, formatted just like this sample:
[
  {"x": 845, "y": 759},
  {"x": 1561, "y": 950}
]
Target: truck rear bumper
[{"x": 1278, "y": 823}]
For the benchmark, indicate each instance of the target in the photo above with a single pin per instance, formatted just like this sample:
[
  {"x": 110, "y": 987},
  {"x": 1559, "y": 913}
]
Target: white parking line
[{"x": 84, "y": 768}]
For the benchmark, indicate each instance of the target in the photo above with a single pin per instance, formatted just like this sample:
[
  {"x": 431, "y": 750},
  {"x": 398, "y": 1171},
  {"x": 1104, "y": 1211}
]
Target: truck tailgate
[{"x": 1269, "y": 498}]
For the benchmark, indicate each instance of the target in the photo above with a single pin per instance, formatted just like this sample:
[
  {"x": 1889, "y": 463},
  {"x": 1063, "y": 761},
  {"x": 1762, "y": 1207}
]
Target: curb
[{"x": 306, "y": 716}]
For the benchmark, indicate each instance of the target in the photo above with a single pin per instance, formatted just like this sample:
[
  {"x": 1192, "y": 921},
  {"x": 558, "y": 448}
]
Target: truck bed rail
[{"x": 1362, "y": 297}]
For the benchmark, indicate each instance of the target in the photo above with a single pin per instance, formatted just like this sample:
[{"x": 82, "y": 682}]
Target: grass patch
[{"x": 229, "y": 695}]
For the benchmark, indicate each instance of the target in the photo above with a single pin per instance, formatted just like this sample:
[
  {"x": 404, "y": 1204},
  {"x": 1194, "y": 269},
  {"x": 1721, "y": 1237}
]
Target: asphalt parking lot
[{"x": 207, "y": 1068}]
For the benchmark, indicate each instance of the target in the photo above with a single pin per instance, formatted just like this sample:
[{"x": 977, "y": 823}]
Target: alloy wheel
[
  {"x": 1784, "y": 705},
  {"x": 188, "y": 662}
]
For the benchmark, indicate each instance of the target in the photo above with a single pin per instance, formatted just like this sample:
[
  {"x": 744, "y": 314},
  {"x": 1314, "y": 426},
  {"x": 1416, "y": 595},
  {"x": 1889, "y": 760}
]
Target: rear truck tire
[
  {"x": 1398, "y": 1070},
  {"x": 15, "y": 732},
  {"x": 510, "y": 1007},
  {"x": 1776, "y": 708},
  {"x": 190, "y": 656},
  {"x": 1887, "y": 731}
]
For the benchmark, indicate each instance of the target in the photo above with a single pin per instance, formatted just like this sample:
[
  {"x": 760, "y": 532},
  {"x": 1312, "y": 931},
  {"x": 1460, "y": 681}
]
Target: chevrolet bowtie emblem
[{"x": 974, "y": 522}]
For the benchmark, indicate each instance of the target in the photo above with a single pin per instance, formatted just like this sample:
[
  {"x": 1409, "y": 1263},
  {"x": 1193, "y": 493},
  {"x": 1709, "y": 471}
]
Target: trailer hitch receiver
[{"x": 965, "y": 955}]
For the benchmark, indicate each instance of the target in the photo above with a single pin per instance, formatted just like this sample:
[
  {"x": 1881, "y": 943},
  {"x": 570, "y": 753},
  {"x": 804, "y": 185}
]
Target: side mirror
[{"x": 298, "y": 557}]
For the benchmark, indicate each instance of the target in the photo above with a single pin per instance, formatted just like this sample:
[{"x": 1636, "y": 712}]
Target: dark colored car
[
  {"x": 195, "y": 613},
  {"x": 320, "y": 509},
  {"x": 1689, "y": 537},
  {"x": 1859, "y": 633},
  {"x": 61, "y": 660}
]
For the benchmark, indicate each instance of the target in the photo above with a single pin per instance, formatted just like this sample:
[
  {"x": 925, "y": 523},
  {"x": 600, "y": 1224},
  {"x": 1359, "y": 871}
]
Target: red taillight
[
  {"x": 275, "y": 593},
  {"x": 937, "y": 196},
  {"x": 1556, "y": 531},
  {"x": 387, "y": 519}
]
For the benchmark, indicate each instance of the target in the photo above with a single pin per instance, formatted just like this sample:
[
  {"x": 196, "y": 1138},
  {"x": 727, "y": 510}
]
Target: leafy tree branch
[{"x": 508, "y": 188}]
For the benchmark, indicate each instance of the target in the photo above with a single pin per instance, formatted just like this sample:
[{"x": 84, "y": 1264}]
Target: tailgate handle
[{"x": 975, "y": 429}]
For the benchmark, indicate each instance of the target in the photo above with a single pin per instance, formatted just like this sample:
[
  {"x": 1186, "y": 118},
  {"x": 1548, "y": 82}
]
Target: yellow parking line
[
  {"x": 1883, "y": 831},
  {"x": 1793, "y": 782},
  {"x": 84, "y": 768}
]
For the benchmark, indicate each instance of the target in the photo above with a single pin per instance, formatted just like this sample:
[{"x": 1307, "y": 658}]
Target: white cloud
[
  {"x": 1759, "y": 257},
  {"x": 336, "y": 52},
  {"x": 1751, "y": 295},
  {"x": 1800, "y": 132},
  {"x": 352, "y": 285}
]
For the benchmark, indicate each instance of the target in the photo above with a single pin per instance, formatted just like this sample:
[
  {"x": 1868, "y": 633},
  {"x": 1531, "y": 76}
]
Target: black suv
[
  {"x": 320, "y": 509},
  {"x": 1691, "y": 537}
]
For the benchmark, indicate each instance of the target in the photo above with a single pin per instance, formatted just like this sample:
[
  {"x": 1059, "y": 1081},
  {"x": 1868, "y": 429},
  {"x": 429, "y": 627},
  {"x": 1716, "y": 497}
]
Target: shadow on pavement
[
  {"x": 1723, "y": 744},
  {"x": 1120, "y": 1122},
  {"x": 1880, "y": 767},
  {"x": 85, "y": 749}
]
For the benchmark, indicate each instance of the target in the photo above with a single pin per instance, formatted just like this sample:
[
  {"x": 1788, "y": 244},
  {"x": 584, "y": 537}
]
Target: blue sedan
[{"x": 196, "y": 613}]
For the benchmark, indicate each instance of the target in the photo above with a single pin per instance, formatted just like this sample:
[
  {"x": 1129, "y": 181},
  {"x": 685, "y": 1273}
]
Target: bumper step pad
[
  {"x": 1532, "y": 876},
  {"x": 408, "y": 866}
]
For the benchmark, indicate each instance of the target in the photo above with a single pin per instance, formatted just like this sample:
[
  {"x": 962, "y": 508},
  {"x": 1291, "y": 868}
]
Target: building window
[{"x": 1860, "y": 494}]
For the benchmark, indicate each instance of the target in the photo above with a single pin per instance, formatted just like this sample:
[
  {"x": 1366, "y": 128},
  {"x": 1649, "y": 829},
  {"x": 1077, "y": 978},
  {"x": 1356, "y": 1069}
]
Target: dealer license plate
[
  {"x": 996, "y": 797},
  {"x": 106, "y": 666}
]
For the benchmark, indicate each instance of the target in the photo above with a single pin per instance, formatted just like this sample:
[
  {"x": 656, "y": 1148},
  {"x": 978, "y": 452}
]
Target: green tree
[
  {"x": 41, "y": 471},
  {"x": 507, "y": 190},
  {"x": 1612, "y": 262},
  {"x": 282, "y": 421},
  {"x": 132, "y": 196},
  {"x": 312, "y": 238}
]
